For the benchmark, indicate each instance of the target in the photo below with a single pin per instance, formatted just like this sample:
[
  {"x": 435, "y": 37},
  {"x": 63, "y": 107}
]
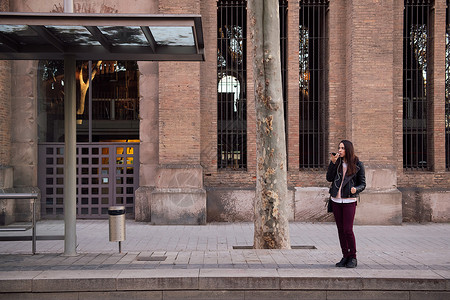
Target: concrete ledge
[
  {"x": 178, "y": 206},
  {"x": 333, "y": 279},
  {"x": 225, "y": 284},
  {"x": 386, "y": 203},
  {"x": 11, "y": 282},
  {"x": 239, "y": 279},
  {"x": 233, "y": 295},
  {"x": 148, "y": 280},
  {"x": 75, "y": 280}
]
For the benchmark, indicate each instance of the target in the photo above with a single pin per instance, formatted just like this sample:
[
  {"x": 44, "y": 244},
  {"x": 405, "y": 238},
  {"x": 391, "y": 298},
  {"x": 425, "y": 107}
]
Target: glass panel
[
  {"x": 22, "y": 33},
  {"x": 121, "y": 35},
  {"x": 173, "y": 36},
  {"x": 74, "y": 35}
]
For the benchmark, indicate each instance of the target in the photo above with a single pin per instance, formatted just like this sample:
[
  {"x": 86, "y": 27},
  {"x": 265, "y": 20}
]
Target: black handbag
[{"x": 330, "y": 205}]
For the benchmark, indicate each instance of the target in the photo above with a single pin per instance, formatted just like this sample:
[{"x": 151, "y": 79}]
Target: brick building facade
[{"x": 362, "y": 92}]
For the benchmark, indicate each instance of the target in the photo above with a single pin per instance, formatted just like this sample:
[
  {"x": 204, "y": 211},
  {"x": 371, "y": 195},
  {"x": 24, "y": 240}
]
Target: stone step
[{"x": 226, "y": 284}]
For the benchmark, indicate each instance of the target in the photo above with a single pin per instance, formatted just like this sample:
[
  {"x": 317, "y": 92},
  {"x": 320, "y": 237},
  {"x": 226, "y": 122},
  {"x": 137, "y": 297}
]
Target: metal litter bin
[{"x": 117, "y": 225}]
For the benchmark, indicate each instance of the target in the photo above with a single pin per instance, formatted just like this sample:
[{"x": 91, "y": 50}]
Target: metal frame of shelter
[{"x": 70, "y": 36}]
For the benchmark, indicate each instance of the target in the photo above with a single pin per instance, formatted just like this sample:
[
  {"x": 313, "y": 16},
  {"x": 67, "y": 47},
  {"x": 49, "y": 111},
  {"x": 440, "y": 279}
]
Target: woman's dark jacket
[{"x": 357, "y": 180}]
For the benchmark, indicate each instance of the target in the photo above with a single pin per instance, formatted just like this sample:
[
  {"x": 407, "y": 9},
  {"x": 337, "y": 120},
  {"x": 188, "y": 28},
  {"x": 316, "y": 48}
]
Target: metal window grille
[
  {"x": 283, "y": 53},
  {"x": 447, "y": 89},
  {"x": 312, "y": 50},
  {"x": 107, "y": 175},
  {"x": 416, "y": 33},
  {"x": 232, "y": 84}
]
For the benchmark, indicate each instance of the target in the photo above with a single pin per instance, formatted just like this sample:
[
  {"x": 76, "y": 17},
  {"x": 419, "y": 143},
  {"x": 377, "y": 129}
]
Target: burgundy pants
[{"x": 344, "y": 214}]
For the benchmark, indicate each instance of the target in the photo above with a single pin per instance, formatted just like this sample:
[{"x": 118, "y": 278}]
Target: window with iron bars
[
  {"x": 231, "y": 84},
  {"x": 416, "y": 34},
  {"x": 231, "y": 62},
  {"x": 447, "y": 89},
  {"x": 283, "y": 11},
  {"x": 312, "y": 96}
]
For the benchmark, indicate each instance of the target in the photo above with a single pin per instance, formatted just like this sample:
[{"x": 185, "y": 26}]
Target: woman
[{"x": 346, "y": 172}]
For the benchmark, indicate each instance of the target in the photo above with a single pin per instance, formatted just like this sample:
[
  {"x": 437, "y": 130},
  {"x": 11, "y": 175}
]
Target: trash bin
[{"x": 116, "y": 223}]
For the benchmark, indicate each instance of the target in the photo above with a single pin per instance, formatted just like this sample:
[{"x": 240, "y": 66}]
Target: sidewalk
[{"x": 215, "y": 262}]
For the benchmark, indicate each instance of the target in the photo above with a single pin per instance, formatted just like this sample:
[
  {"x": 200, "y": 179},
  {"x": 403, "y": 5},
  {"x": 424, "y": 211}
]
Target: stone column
[
  {"x": 149, "y": 136},
  {"x": 179, "y": 196},
  {"x": 7, "y": 207},
  {"x": 370, "y": 105},
  {"x": 24, "y": 138}
]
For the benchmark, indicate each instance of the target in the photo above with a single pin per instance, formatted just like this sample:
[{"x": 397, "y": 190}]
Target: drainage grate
[
  {"x": 151, "y": 258},
  {"x": 292, "y": 247}
]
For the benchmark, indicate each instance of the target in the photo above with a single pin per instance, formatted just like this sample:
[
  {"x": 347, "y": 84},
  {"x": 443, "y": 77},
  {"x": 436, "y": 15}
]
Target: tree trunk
[{"x": 271, "y": 223}]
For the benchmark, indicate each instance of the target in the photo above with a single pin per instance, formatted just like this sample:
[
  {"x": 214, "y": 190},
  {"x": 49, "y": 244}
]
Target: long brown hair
[{"x": 350, "y": 157}]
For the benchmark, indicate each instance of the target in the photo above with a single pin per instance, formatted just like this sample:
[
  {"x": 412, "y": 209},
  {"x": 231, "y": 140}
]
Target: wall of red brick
[
  {"x": 437, "y": 177},
  {"x": 5, "y": 104},
  {"x": 179, "y": 101},
  {"x": 364, "y": 90}
]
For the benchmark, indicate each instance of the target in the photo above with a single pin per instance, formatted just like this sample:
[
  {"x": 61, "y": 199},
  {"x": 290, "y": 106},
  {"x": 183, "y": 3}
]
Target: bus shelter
[{"x": 71, "y": 37}]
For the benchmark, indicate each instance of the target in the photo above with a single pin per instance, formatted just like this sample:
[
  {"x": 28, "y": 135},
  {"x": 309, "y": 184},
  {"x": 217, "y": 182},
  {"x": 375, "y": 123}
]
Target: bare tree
[
  {"x": 84, "y": 84},
  {"x": 271, "y": 223}
]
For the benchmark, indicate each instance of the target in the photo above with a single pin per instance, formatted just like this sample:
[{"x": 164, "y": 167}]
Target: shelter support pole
[
  {"x": 70, "y": 137},
  {"x": 68, "y": 6}
]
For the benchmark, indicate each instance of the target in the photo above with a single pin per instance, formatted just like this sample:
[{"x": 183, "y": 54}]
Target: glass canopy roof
[{"x": 101, "y": 36}]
